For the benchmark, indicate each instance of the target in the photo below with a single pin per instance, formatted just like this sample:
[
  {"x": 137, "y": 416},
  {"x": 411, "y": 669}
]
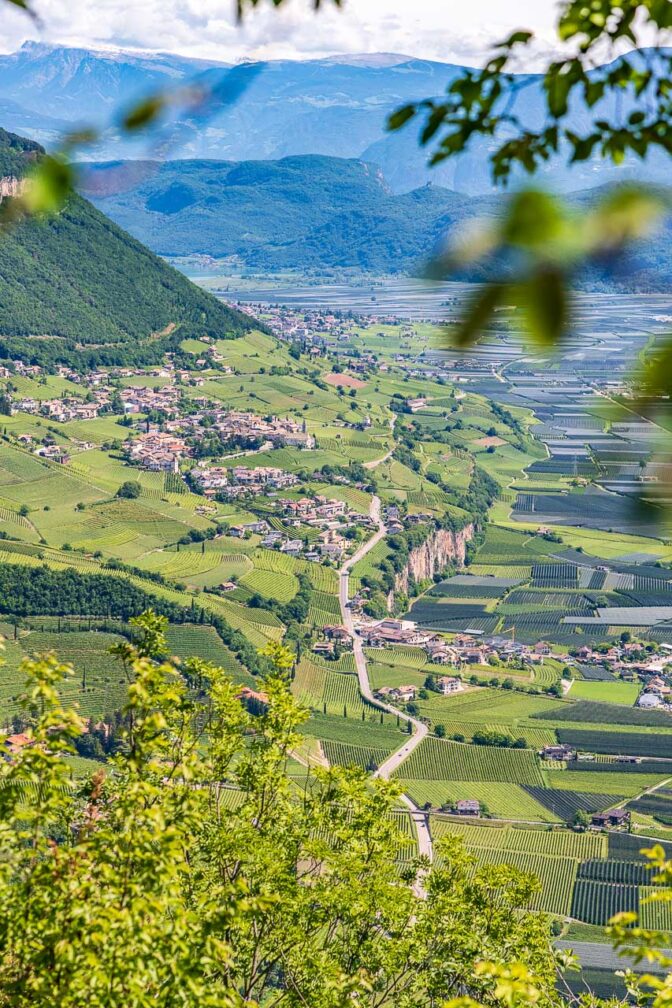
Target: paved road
[
  {"x": 420, "y": 729},
  {"x": 376, "y": 462}
]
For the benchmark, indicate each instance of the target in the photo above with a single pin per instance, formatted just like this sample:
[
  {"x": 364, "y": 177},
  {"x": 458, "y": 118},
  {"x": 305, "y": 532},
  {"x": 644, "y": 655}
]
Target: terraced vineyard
[
  {"x": 328, "y": 691},
  {"x": 503, "y": 800},
  {"x": 558, "y": 843},
  {"x": 100, "y": 683},
  {"x": 190, "y": 640},
  {"x": 596, "y": 902},
  {"x": 618, "y": 872},
  {"x": 581, "y": 875},
  {"x": 271, "y": 584},
  {"x": 556, "y": 876},
  {"x": 564, "y": 804},
  {"x": 344, "y": 754},
  {"x": 655, "y": 909},
  {"x": 435, "y": 759},
  {"x": 597, "y": 712},
  {"x": 619, "y": 743}
]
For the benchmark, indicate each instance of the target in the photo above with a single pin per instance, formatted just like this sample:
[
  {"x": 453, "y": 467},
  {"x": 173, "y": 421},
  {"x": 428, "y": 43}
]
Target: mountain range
[
  {"x": 299, "y": 212},
  {"x": 75, "y": 288},
  {"x": 314, "y": 214},
  {"x": 269, "y": 110},
  {"x": 285, "y": 165}
]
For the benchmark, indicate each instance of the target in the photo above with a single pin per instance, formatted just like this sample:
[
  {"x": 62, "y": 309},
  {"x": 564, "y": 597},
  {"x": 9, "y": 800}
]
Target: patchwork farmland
[{"x": 555, "y": 560}]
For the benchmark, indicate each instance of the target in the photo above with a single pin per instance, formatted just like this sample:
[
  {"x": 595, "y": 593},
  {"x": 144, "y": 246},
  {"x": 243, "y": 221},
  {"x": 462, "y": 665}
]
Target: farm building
[
  {"x": 649, "y": 700},
  {"x": 15, "y": 743},
  {"x": 337, "y": 632},
  {"x": 558, "y": 752},
  {"x": 400, "y": 693},
  {"x": 448, "y": 684},
  {"x": 468, "y": 807},
  {"x": 618, "y": 818}
]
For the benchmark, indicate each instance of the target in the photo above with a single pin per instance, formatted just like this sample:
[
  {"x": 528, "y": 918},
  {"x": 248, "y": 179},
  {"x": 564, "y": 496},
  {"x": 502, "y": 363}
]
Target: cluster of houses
[
  {"x": 464, "y": 649},
  {"x": 157, "y": 451},
  {"x": 62, "y": 410},
  {"x": 316, "y": 329},
  {"x": 240, "y": 481},
  {"x": 278, "y": 431},
  {"x": 329, "y": 545},
  {"x": 654, "y": 671},
  {"x": 656, "y": 693},
  {"x": 446, "y": 685},
  {"x": 53, "y": 452},
  {"x": 66, "y": 408},
  {"x": 311, "y": 327},
  {"x": 320, "y": 511},
  {"x": 240, "y": 427},
  {"x": 626, "y": 659},
  {"x": 142, "y": 399}
]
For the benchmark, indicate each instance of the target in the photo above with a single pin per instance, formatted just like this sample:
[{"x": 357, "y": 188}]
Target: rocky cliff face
[{"x": 441, "y": 548}]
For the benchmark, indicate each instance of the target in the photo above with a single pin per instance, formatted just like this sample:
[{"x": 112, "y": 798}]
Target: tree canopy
[{"x": 190, "y": 874}]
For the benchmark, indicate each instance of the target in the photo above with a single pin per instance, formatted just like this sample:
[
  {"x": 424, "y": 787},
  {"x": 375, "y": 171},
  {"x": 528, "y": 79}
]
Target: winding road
[{"x": 420, "y": 730}]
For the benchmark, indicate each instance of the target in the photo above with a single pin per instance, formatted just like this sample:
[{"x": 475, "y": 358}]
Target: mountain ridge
[
  {"x": 312, "y": 213},
  {"x": 336, "y": 106},
  {"x": 76, "y": 288}
]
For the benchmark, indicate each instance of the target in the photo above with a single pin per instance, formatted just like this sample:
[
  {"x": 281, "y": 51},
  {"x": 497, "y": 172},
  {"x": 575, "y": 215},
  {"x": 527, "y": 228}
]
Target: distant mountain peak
[{"x": 368, "y": 59}]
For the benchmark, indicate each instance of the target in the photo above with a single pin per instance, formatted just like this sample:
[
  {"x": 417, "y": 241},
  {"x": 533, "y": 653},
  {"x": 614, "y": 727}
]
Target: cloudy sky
[{"x": 449, "y": 30}]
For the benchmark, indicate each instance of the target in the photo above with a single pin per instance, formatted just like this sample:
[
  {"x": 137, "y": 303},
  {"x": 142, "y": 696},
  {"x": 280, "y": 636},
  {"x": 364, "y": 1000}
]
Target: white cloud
[{"x": 434, "y": 29}]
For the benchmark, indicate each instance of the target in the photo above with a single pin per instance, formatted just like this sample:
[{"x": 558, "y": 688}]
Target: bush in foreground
[{"x": 186, "y": 874}]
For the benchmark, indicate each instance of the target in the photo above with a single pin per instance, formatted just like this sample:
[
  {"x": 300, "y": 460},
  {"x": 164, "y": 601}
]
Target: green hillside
[
  {"x": 316, "y": 213},
  {"x": 299, "y": 212},
  {"x": 77, "y": 289}
]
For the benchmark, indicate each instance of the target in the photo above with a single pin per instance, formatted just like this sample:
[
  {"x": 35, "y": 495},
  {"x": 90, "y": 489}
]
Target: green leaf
[
  {"x": 479, "y": 312},
  {"x": 433, "y": 123},
  {"x": 546, "y": 305},
  {"x": 557, "y": 89},
  {"x": 520, "y": 37},
  {"x": 400, "y": 117},
  {"x": 49, "y": 186},
  {"x": 144, "y": 113},
  {"x": 534, "y": 218},
  {"x": 628, "y": 214}
]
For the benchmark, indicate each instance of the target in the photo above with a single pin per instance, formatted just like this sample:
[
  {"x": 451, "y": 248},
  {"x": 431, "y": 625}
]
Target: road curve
[{"x": 420, "y": 729}]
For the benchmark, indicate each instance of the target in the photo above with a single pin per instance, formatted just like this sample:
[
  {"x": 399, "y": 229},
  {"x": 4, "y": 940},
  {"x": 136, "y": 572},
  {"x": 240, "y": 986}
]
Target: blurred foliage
[
  {"x": 190, "y": 871},
  {"x": 541, "y": 242},
  {"x": 483, "y": 102},
  {"x": 244, "y": 5}
]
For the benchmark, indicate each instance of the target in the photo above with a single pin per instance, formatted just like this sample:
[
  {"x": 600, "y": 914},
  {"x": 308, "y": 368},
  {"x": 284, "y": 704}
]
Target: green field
[
  {"x": 435, "y": 759},
  {"x": 98, "y": 684},
  {"x": 75, "y": 520},
  {"x": 559, "y": 843},
  {"x": 606, "y": 692}
]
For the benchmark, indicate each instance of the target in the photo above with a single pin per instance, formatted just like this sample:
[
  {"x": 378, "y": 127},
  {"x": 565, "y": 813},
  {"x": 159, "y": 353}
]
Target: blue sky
[{"x": 449, "y": 30}]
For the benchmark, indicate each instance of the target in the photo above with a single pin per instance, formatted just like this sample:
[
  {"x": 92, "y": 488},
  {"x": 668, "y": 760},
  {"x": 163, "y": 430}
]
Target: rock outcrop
[{"x": 439, "y": 549}]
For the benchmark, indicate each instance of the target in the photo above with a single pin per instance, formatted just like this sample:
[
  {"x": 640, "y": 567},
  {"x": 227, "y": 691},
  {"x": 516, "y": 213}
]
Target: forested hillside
[
  {"x": 299, "y": 212},
  {"x": 75, "y": 287},
  {"x": 317, "y": 213}
]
